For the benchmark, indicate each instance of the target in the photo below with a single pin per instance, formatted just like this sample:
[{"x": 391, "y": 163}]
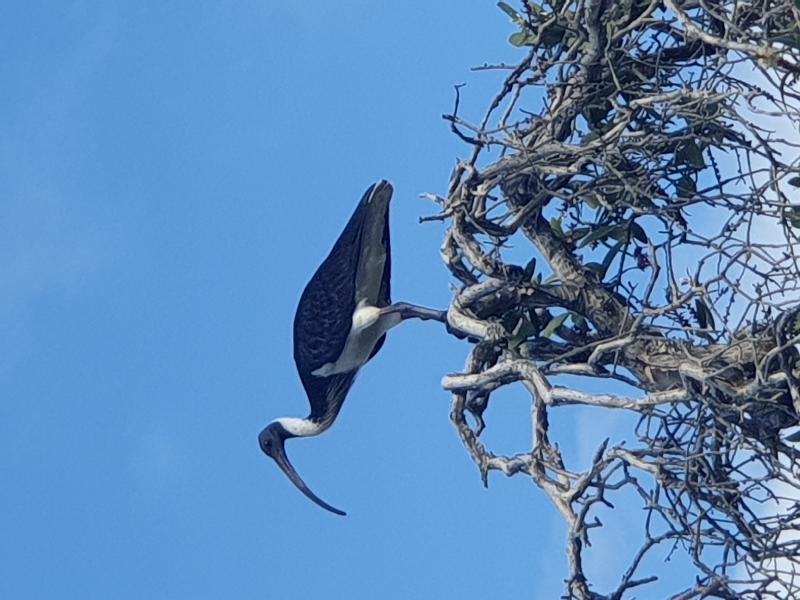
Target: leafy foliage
[{"x": 646, "y": 165}]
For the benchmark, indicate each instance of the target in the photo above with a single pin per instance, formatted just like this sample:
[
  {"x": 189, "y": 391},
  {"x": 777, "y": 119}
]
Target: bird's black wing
[
  {"x": 321, "y": 325},
  {"x": 324, "y": 314},
  {"x": 385, "y": 292},
  {"x": 325, "y": 311}
]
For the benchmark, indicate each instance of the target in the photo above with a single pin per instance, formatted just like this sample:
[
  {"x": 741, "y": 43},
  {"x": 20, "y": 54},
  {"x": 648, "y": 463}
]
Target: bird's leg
[
  {"x": 411, "y": 311},
  {"x": 404, "y": 310}
]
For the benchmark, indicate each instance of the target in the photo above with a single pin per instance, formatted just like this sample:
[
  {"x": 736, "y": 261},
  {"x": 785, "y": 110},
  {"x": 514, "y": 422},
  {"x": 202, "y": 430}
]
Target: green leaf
[
  {"x": 709, "y": 108},
  {"x": 601, "y": 269},
  {"x": 704, "y": 316},
  {"x": 554, "y": 324},
  {"x": 601, "y": 233},
  {"x": 717, "y": 133},
  {"x": 578, "y": 232},
  {"x": 555, "y": 226},
  {"x": 620, "y": 298},
  {"x": 793, "y": 214},
  {"x": 795, "y": 181},
  {"x": 510, "y": 321},
  {"x": 613, "y": 196},
  {"x": 524, "y": 330},
  {"x": 794, "y": 437},
  {"x": 620, "y": 232},
  {"x": 508, "y": 10},
  {"x": 611, "y": 255},
  {"x": 551, "y": 36},
  {"x": 686, "y": 187},
  {"x": 689, "y": 153},
  {"x": 596, "y": 268},
  {"x": 579, "y": 320},
  {"x": 530, "y": 268},
  {"x": 513, "y": 14},
  {"x": 790, "y": 39},
  {"x": 522, "y": 38},
  {"x": 591, "y": 136},
  {"x": 595, "y": 113},
  {"x": 637, "y": 232},
  {"x": 540, "y": 12}
]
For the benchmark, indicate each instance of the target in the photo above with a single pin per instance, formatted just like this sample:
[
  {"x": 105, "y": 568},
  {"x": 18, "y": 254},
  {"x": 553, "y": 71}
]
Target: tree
[{"x": 644, "y": 154}]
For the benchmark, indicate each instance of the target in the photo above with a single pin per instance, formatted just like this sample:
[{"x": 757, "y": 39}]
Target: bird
[{"x": 341, "y": 322}]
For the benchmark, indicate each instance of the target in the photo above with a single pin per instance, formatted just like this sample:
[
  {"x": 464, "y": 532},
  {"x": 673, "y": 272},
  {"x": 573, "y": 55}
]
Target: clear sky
[{"x": 171, "y": 174}]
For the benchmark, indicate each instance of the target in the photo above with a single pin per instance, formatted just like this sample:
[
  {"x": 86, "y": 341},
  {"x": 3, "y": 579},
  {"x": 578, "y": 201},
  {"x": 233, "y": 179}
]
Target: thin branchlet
[{"x": 649, "y": 168}]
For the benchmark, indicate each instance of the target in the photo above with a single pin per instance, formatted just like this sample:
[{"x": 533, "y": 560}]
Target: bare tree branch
[{"x": 649, "y": 167}]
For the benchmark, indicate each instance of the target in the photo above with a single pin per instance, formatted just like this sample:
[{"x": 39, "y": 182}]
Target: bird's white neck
[{"x": 301, "y": 427}]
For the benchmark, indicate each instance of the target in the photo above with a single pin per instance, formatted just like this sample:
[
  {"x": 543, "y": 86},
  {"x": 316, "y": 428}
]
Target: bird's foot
[{"x": 412, "y": 311}]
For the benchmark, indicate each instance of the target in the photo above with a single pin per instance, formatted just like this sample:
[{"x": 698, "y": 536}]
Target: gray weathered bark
[{"x": 661, "y": 209}]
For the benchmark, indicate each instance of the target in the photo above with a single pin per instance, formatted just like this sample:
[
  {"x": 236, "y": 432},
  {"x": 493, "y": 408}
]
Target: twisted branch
[{"x": 660, "y": 213}]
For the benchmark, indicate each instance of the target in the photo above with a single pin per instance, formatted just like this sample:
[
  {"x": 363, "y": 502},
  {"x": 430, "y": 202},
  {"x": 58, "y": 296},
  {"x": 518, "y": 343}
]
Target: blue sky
[{"x": 171, "y": 174}]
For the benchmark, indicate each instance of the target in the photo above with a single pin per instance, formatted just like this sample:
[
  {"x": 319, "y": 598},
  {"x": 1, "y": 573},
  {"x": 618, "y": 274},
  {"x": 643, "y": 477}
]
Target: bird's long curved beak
[{"x": 283, "y": 462}]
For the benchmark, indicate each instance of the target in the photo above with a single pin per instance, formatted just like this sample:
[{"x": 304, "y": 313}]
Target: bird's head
[{"x": 272, "y": 439}]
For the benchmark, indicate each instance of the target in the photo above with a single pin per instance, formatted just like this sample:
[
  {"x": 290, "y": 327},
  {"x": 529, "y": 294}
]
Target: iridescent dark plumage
[
  {"x": 324, "y": 316},
  {"x": 341, "y": 323}
]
